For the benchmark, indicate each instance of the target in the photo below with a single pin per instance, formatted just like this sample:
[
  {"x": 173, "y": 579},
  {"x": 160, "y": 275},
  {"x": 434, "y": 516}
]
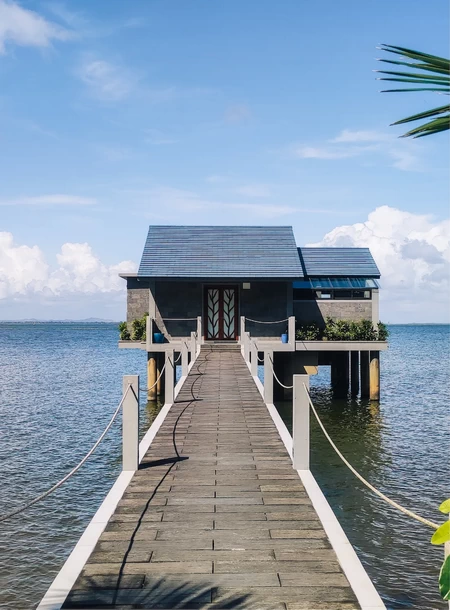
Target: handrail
[
  {"x": 396, "y": 505},
  {"x": 266, "y": 322},
  {"x": 286, "y": 387},
  {"x": 43, "y": 495}
]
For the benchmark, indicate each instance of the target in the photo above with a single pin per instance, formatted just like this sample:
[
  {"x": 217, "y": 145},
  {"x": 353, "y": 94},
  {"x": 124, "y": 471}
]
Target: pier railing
[
  {"x": 152, "y": 323},
  {"x": 129, "y": 406},
  {"x": 302, "y": 406}
]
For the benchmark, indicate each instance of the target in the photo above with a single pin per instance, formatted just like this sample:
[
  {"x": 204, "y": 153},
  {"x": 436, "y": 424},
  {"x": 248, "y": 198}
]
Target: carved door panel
[{"x": 221, "y": 313}]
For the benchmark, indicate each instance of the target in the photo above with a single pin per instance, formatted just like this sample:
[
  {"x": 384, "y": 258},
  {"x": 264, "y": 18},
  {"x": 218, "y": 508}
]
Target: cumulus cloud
[
  {"x": 27, "y": 28},
  {"x": 412, "y": 252},
  {"x": 24, "y": 272},
  {"x": 401, "y": 154}
]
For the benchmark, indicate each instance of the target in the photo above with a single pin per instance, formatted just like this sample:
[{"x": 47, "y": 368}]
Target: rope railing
[
  {"x": 178, "y": 319},
  {"x": 381, "y": 495},
  {"x": 43, "y": 495},
  {"x": 286, "y": 387},
  {"x": 267, "y": 321}
]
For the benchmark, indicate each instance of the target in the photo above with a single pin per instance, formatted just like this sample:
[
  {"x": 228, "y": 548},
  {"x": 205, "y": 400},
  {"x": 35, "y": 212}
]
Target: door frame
[{"x": 221, "y": 287}]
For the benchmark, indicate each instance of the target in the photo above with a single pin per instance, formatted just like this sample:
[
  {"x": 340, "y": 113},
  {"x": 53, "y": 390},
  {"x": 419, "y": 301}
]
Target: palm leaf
[{"x": 440, "y": 78}]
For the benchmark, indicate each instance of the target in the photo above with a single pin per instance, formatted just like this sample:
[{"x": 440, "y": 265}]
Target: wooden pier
[{"x": 216, "y": 516}]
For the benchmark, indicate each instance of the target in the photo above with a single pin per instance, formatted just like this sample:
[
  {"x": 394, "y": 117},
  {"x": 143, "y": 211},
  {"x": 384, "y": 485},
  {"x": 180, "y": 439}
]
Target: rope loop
[
  {"x": 286, "y": 387},
  {"x": 178, "y": 319},
  {"x": 43, "y": 495},
  {"x": 267, "y": 322},
  {"x": 396, "y": 505}
]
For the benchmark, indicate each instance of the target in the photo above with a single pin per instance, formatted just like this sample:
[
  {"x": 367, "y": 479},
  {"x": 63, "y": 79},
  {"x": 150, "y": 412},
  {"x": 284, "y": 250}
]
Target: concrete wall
[
  {"x": 266, "y": 301},
  {"x": 177, "y": 299},
  {"x": 317, "y": 311},
  {"x": 137, "y": 299}
]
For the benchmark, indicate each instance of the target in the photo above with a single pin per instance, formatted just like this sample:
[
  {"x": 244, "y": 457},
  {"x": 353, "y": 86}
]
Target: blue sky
[{"x": 114, "y": 115}]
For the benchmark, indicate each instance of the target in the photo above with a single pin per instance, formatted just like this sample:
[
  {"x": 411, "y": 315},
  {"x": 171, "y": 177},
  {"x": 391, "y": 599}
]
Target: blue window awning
[{"x": 336, "y": 283}]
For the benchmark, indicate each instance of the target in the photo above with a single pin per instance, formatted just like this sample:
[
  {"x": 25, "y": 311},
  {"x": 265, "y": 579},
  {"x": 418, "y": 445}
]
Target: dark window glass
[
  {"x": 361, "y": 294},
  {"x": 303, "y": 295},
  {"x": 342, "y": 294}
]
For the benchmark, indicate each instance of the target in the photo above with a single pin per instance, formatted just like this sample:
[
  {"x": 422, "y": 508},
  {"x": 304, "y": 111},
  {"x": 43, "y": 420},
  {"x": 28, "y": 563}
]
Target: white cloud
[
  {"x": 105, "y": 80},
  {"x": 24, "y": 272},
  {"x": 27, "y": 28},
  {"x": 46, "y": 200},
  {"x": 172, "y": 201},
  {"x": 310, "y": 152},
  {"x": 253, "y": 190},
  {"x": 412, "y": 252},
  {"x": 401, "y": 154},
  {"x": 370, "y": 135}
]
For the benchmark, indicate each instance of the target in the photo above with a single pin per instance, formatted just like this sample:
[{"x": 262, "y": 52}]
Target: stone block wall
[
  {"x": 137, "y": 299},
  {"x": 317, "y": 311}
]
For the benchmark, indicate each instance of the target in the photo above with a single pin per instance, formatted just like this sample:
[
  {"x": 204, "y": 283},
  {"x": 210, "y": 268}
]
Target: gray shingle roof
[
  {"x": 225, "y": 252},
  {"x": 344, "y": 262}
]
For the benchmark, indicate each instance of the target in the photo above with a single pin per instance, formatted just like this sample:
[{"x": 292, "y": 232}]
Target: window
[
  {"x": 303, "y": 295},
  {"x": 342, "y": 294},
  {"x": 324, "y": 294}
]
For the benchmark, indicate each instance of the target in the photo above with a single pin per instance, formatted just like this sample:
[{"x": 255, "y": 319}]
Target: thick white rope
[
  {"x": 17, "y": 511},
  {"x": 178, "y": 319},
  {"x": 262, "y": 322},
  {"x": 362, "y": 479},
  {"x": 157, "y": 381},
  {"x": 286, "y": 387}
]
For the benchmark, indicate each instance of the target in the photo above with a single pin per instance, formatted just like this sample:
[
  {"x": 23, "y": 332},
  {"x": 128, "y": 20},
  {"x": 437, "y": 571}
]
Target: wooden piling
[
  {"x": 364, "y": 368},
  {"x": 152, "y": 374},
  {"x": 354, "y": 373},
  {"x": 374, "y": 375}
]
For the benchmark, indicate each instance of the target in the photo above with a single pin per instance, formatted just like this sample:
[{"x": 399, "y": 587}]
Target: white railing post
[
  {"x": 199, "y": 330},
  {"x": 169, "y": 375},
  {"x": 184, "y": 360},
  {"x": 149, "y": 333},
  {"x": 291, "y": 331},
  {"x": 193, "y": 347},
  {"x": 268, "y": 379},
  {"x": 241, "y": 336},
  {"x": 254, "y": 359},
  {"x": 300, "y": 423},
  {"x": 246, "y": 346},
  {"x": 130, "y": 423}
]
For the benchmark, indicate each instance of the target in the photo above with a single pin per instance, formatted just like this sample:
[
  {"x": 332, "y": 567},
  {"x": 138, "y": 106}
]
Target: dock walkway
[{"x": 215, "y": 517}]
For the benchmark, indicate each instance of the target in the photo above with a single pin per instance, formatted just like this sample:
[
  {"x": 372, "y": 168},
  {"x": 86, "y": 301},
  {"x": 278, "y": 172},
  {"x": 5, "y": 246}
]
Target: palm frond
[{"x": 437, "y": 82}]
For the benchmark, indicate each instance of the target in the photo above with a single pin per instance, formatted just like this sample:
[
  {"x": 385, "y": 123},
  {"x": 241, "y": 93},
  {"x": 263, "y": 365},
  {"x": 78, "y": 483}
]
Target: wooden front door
[{"x": 221, "y": 313}]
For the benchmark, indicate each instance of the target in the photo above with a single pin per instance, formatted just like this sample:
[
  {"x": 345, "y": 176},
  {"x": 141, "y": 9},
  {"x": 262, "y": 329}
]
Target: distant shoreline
[{"x": 101, "y": 321}]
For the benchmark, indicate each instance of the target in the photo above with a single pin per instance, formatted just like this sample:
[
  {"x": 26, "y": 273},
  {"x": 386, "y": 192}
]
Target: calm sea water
[{"x": 60, "y": 383}]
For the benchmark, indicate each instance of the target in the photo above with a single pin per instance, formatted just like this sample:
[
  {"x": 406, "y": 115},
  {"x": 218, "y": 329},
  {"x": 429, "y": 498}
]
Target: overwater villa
[{"x": 304, "y": 307}]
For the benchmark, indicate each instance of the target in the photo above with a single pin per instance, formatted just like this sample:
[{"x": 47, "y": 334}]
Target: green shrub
[
  {"x": 383, "y": 332},
  {"x": 342, "y": 330},
  {"x": 138, "y": 329},
  {"x": 308, "y": 332},
  {"x": 124, "y": 333}
]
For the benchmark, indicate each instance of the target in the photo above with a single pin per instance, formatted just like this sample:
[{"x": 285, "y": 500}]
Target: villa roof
[
  {"x": 338, "y": 262},
  {"x": 220, "y": 252},
  {"x": 239, "y": 252}
]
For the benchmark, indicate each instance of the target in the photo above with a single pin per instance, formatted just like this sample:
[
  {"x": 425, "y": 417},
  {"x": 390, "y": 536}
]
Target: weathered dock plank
[{"x": 215, "y": 517}]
